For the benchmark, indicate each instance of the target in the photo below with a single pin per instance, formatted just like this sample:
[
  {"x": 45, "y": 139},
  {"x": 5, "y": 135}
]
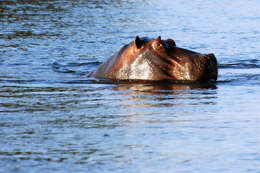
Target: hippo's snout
[{"x": 211, "y": 69}]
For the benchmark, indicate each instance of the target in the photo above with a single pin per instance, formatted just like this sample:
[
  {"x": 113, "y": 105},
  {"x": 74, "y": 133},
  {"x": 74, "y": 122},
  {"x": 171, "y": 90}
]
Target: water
[{"x": 54, "y": 119}]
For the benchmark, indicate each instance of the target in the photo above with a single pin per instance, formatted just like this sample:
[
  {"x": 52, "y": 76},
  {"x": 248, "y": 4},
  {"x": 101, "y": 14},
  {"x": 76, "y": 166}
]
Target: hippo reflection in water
[{"x": 156, "y": 59}]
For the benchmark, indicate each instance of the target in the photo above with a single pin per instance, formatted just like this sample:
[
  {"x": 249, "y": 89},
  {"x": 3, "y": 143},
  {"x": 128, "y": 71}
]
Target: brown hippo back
[{"x": 157, "y": 59}]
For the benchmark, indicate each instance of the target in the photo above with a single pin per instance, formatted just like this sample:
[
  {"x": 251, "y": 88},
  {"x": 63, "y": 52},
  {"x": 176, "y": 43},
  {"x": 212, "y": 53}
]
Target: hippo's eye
[{"x": 158, "y": 45}]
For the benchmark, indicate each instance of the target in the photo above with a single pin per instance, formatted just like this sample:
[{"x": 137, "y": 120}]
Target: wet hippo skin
[{"x": 156, "y": 59}]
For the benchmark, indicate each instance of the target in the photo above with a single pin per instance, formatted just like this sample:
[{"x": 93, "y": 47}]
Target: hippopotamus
[{"x": 149, "y": 59}]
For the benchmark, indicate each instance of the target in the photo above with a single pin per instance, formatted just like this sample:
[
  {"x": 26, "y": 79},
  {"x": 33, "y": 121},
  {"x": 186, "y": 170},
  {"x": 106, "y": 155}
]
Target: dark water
[{"x": 54, "y": 119}]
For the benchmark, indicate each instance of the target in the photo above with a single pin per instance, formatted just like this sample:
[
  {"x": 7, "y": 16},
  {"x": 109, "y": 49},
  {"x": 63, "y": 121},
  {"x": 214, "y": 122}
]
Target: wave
[
  {"x": 241, "y": 64},
  {"x": 77, "y": 68}
]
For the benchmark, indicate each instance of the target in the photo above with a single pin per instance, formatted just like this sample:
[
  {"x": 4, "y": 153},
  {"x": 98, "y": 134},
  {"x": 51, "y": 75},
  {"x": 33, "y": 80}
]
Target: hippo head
[{"x": 157, "y": 59}]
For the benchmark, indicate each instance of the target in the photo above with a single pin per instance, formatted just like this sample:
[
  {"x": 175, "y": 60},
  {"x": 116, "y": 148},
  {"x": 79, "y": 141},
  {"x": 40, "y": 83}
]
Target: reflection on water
[
  {"x": 55, "y": 119},
  {"x": 165, "y": 95},
  {"x": 46, "y": 98}
]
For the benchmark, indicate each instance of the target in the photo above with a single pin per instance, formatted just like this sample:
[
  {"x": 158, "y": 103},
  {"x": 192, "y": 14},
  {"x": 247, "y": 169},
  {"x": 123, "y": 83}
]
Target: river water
[{"x": 55, "y": 119}]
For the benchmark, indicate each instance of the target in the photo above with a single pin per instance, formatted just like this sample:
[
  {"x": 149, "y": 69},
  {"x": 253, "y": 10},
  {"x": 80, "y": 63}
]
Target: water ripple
[
  {"x": 53, "y": 118},
  {"x": 241, "y": 64}
]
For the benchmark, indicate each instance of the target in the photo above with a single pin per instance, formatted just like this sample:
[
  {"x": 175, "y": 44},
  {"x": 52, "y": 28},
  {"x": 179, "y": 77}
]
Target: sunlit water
[{"x": 54, "y": 119}]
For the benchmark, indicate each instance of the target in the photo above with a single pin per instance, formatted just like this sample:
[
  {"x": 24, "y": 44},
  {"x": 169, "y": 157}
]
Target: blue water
[{"x": 55, "y": 119}]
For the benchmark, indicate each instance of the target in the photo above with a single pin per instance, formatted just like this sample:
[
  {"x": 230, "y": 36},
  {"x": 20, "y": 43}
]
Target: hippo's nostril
[{"x": 212, "y": 57}]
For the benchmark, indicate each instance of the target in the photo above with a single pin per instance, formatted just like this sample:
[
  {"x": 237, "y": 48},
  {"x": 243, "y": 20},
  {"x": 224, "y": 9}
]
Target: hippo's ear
[
  {"x": 171, "y": 42},
  {"x": 138, "y": 42},
  {"x": 159, "y": 38}
]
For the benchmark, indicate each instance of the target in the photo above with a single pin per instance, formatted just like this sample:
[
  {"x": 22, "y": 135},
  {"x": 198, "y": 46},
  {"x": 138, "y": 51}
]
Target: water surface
[{"x": 55, "y": 119}]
